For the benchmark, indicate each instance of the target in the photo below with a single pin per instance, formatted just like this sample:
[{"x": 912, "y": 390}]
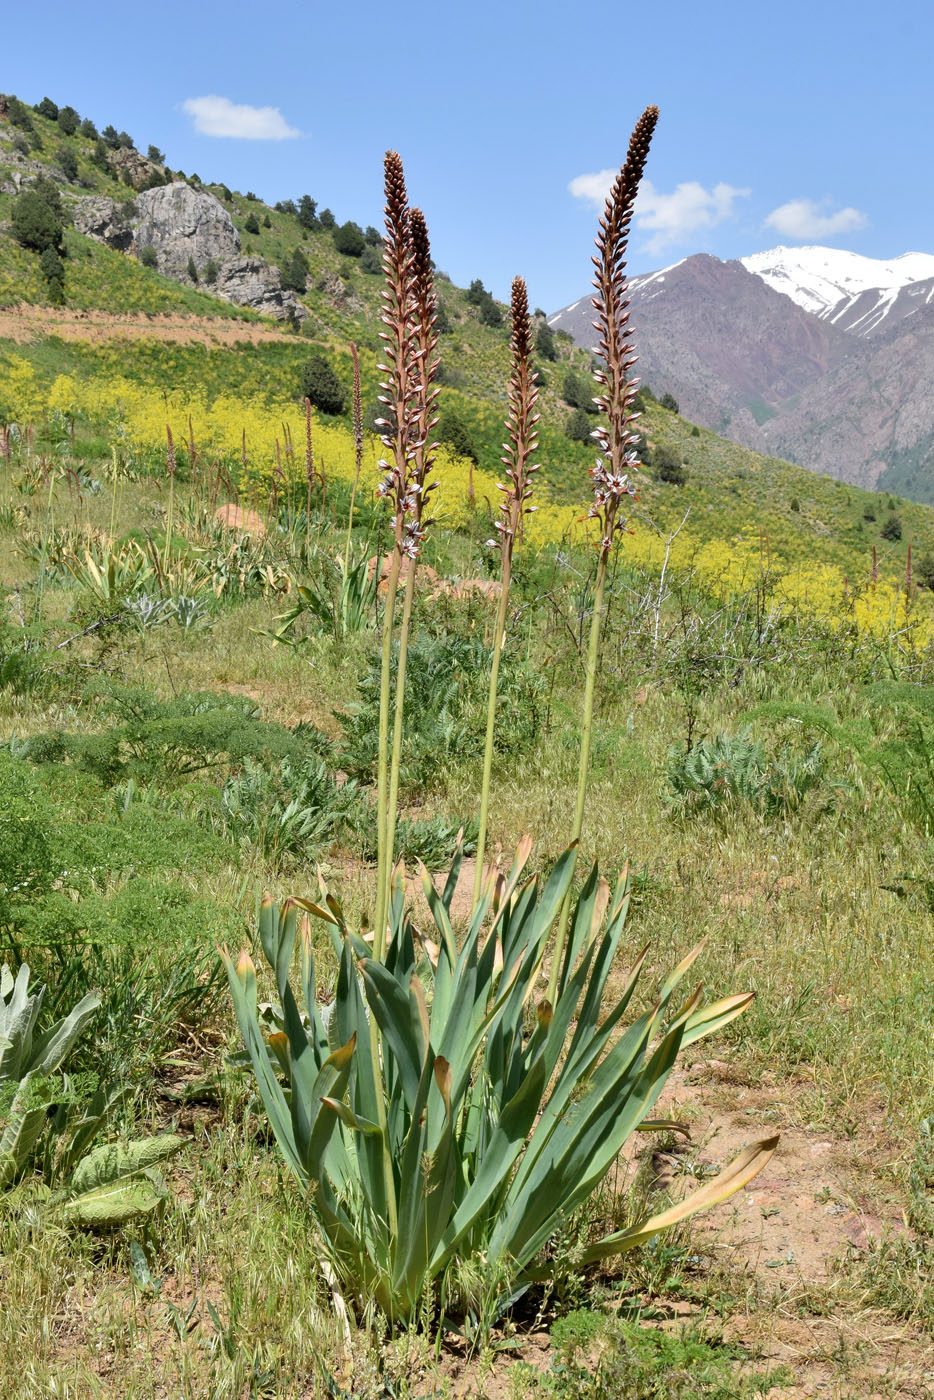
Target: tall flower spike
[
  {"x": 612, "y": 481},
  {"x": 397, "y": 338},
  {"x": 423, "y": 367},
  {"x": 521, "y": 421}
]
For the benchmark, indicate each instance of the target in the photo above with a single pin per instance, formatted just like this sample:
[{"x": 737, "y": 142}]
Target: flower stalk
[
  {"x": 422, "y": 370},
  {"x": 395, "y": 486},
  {"x": 170, "y": 513},
  {"x": 521, "y": 421},
  {"x": 612, "y": 475}
]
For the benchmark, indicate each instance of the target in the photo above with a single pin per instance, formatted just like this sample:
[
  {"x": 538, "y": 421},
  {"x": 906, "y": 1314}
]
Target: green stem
[
  {"x": 40, "y": 586},
  {"x": 491, "y": 725},
  {"x": 384, "y": 865},
  {"x": 169, "y": 524},
  {"x": 353, "y": 495},
  {"x": 398, "y": 718},
  {"x": 384, "y": 854},
  {"x": 593, "y": 656}
]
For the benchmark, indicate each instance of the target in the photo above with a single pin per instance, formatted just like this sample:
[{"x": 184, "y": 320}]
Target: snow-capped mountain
[
  {"x": 815, "y": 354},
  {"x": 859, "y": 294}
]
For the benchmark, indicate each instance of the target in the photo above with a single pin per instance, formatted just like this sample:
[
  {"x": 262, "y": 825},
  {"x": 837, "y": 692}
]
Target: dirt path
[{"x": 23, "y": 324}]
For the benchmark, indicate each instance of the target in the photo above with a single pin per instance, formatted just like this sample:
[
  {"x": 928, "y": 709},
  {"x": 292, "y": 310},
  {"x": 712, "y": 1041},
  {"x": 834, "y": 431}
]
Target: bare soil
[{"x": 23, "y": 324}]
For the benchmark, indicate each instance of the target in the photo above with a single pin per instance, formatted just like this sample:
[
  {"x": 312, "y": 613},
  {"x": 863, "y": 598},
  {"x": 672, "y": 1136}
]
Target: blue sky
[{"x": 787, "y": 123}]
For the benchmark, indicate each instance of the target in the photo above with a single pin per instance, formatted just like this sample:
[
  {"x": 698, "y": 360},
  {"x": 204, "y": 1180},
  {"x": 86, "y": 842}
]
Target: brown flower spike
[
  {"x": 521, "y": 421},
  {"x": 400, "y": 427},
  {"x": 422, "y": 370},
  {"x": 612, "y": 481}
]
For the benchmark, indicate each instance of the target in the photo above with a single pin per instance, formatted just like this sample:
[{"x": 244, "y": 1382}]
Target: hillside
[
  {"x": 811, "y": 354},
  {"x": 191, "y": 349}
]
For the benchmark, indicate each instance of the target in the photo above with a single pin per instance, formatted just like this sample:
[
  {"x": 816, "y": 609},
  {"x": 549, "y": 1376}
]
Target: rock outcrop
[
  {"x": 104, "y": 220},
  {"x": 250, "y": 281},
  {"x": 183, "y": 224}
]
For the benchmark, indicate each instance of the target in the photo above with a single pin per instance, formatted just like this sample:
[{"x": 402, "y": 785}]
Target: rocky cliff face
[
  {"x": 183, "y": 225},
  {"x": 252, "y": 282},
  {"x": 180, "y": 223}
]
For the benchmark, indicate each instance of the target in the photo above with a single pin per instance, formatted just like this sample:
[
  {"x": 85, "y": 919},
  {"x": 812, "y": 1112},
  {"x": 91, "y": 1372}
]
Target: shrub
[
  {"x": 349, "y": 240},
  {"x": 668, "y": 467},
  {"x": 670, "y": 402},
  {"x": 891, "y": 528},
  {"x": 453, "y": 430},
  {"x": 578, "y": 426},
  {"x": 211, "y": 269},
  {"x": 446, "y": 691},
  {"x": 148, "y": 256},
  {"x": 192, "y": 270},
  {"x": 53, "y": 270},
  {"x": 38, "y": 217},
  {"x": 579, "y": 392},
  {"x": 371, "y": 263},
  {"x": 68, "y": 120},
  {"x": 319, "y": 383},
  {"x": 924, "y": 570},
  {"x": 252, "y": 224},
  {"x": 294, "y": 274},
  {"x": 490, "y": 314},
  {"x": 291, "y": 810},
  {"x": 717, "y": 774},
  {"x": 67, "y": 162},
  {"x": 307, "y": 211},
  {"x": 545, "y": 342},
  {"x": 19, "y": 114}
]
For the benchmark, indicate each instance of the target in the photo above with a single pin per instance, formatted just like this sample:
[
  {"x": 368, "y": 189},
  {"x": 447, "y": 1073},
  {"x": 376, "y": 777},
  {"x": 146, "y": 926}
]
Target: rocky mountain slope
[
  {"x": 813, "y": 354},
  {"x": 189, "y": 228}
]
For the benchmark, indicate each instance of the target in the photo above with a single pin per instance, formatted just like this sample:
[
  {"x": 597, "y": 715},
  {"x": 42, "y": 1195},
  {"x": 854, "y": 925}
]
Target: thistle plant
[
  {"x": 521, "y": 429},
  {"x": 612, "y": 475}
]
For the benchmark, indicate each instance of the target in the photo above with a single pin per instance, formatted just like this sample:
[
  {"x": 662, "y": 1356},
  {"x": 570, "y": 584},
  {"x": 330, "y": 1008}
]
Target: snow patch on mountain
[{"x": 827, "y": 281}]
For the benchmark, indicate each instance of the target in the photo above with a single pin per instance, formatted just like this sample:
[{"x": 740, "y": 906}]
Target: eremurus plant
[
  {"x": 521, "y": 419},
  {"x": 445, "y": 1109},
  {"x": 612, "y": 475}
]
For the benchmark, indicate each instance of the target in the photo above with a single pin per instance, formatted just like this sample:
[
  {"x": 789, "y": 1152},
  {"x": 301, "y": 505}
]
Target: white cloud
[
  {"x": 801, "y": 219},
  {"x": 218, "y": 116},
  {"x": 593, "y": 188},
  {"x": 676, "y": 217},
  {"x": 668, "y": 218}
]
